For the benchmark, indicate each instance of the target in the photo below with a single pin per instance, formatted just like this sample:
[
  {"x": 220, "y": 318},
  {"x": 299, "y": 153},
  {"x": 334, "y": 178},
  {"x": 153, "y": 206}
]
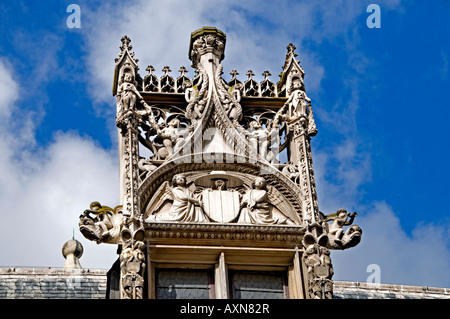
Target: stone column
[
  {"x": 302, "y": 157},
  {"x": 128, "y": 119}
]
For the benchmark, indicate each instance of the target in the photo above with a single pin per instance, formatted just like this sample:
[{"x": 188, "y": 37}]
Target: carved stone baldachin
[{"x": 189, "y": 145}]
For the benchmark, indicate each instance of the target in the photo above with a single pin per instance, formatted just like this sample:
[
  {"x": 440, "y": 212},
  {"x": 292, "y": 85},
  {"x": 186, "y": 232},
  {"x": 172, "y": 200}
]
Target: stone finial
[
  {"x": 166, "y": 70},
  {"x": 150, "y": 69},
  {"x": 125, "y": 43},
  {"x": 266, "y": 75},
  {"x": 72, "y": 251},
  {"x": 183, "y": 70},
  {"x": 206, "y": 40},
  {"x": 250, "y": 74},
  {"x": 291, "y": 50},
  {"x": 234, "y": 73}
]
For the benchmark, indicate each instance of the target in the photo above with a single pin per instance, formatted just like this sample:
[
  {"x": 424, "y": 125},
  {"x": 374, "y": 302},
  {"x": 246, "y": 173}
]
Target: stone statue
[
  {"x": 255, "y": 207},
  {"x": 196, "y": 96},
  {"x": 171, "y": 135},
  {"x": 186, "y": 207},
  {"x": 297, "y": 106},
  {"x": 127, "y": 96},
  {"x": 229, "y": 97},
  {"x": 259, "y": 138},
  {"x": 127, "y": 92}
]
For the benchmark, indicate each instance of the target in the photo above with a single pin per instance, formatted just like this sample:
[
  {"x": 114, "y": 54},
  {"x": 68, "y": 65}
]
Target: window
[
  {"x": 184, "y": 284},
  {"x": 258, "y": 285}
]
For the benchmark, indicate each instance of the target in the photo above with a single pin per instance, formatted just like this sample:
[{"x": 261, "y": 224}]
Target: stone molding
[{"x": 231, "y": 234}]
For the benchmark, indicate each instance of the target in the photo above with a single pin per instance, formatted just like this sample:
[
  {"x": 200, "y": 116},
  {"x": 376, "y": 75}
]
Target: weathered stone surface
[
  {"x": 359, "y": 290},
  {"x": 52, "y": 283}
]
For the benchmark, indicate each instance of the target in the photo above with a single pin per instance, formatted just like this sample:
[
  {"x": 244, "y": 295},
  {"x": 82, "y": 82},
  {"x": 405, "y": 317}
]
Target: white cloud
[
  {"x": 422, "y": 258},
  {"x": 8, "y": 89},
  {"x": 44, "y": 190},
  {"x": 340, "y": 172}
]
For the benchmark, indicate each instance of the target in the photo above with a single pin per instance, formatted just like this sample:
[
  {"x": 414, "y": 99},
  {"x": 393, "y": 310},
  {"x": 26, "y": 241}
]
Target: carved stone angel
[
  {"x": 229, "y": 97},
  {"x": 258, "y": 137},
  {"x": 127, "y": 96},
  {"x": 255, "y": 206},
  {"x": 185, "y": 207}
]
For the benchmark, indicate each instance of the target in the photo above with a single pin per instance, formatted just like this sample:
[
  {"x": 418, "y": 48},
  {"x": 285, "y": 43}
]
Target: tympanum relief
[{"x": 217, "y": 197}]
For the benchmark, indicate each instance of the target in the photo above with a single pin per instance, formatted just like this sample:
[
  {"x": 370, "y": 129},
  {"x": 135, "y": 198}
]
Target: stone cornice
[{"x": 224, "y": 234}]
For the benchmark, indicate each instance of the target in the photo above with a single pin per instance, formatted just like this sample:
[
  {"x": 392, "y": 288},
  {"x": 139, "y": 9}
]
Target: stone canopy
[{"x": 217, "y": 174}]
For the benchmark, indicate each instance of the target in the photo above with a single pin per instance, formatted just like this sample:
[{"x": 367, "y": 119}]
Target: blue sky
[{"x": 380, "y": 98}]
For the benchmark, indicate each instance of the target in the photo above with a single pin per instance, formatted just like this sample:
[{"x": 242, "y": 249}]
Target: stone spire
[{"x": 72, "y": 251}]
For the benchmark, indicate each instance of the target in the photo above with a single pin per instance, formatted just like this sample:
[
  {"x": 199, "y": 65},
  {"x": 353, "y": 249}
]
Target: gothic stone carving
[
  {"x": 101, "y": 223},
  {"x": 318, "y": 262},
  {"x": 255, "y": 206},
  {"x": 167, "y": 194},
  {"x": 132, "y": 264},
  {"x": 338, "y": 238},
  {"x": 218, "y": 197},
  {"x": 185, "y": 206}
]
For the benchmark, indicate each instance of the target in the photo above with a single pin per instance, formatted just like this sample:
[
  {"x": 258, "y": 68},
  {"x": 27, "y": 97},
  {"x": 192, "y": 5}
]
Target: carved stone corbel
[
  {"x": 132, "y": 264},
  {"x": 317, "y": 260}
]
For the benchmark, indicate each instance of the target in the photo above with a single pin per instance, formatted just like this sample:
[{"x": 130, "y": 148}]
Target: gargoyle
[
  {"x": 338, "y": 239},
  {"x": 101, "y": 223}
]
